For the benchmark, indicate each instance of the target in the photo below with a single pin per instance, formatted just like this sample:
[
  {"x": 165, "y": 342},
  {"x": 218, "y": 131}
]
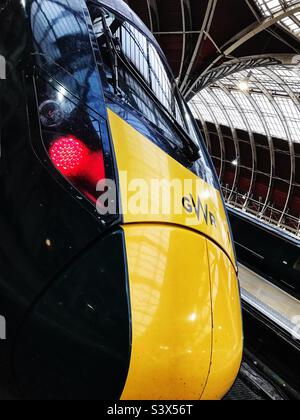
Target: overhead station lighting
[
  {"x": 244, "y": 83},
  {"x": 235, "y": 162}
]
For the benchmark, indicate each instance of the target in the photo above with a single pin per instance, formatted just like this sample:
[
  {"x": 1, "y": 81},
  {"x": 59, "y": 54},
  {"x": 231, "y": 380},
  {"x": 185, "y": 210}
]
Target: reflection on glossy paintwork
[
  {"x": 171, "y": 313},
  {"x": 151, "y": 269},
  {"x": 63, "y": 48},
  {"x": 227, "y": 332}
]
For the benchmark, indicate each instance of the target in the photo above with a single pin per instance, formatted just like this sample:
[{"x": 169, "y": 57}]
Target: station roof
[{"x": 198, "y": 35}]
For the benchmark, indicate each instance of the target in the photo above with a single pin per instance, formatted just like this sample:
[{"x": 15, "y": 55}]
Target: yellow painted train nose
[{"x": 172, "y": 304}]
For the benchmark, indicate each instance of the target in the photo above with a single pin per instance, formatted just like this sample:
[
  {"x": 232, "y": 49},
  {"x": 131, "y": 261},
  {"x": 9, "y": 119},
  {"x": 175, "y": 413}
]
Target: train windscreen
[{"x": 137, "y": 75}]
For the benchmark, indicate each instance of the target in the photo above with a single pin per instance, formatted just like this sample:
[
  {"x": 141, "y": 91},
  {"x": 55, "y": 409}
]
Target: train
[{"x": 108, "y": 289}]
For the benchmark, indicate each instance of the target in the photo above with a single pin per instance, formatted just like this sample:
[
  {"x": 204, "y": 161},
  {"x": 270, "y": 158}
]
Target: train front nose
[
  {"x": 176, "y": 353},
  {"x": 184, "y": 297},
  {"x": 171, "y": 313}
]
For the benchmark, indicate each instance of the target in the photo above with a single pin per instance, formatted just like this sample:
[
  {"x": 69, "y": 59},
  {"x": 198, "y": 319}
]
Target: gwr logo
[
  {"x": 2, "y": 328},
  {"x": 2, "y": 68},
  {"x": 201, "y": 209}
]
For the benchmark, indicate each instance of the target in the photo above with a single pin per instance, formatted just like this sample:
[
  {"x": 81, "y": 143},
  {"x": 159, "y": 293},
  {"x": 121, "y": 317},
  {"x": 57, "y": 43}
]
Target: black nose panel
[{"x": 76, "y": 342}]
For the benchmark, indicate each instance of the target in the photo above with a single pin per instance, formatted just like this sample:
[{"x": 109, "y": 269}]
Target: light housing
[{"x": 77, "y": 145}]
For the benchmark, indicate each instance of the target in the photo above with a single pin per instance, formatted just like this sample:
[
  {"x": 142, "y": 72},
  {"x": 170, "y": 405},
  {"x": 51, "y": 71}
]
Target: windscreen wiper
[
  {"x": 114, "y": 58},
  {"x": 117, "y": 55},
  {"x": 190, "y": 147}
]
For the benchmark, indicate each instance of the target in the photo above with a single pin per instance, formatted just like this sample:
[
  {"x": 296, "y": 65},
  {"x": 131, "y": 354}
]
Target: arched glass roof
[
  {"x": 269, "y": 105},
  {"x": 251, "y": 121},
  {"x": 269, "y": 8}
]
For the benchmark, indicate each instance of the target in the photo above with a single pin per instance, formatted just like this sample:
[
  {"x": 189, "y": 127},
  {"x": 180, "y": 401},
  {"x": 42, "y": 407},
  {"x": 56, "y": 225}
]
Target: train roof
[{"x": 123, "y": 9}]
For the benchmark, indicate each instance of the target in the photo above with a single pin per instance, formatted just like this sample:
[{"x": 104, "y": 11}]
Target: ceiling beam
[
  {"x": 205, "y": 27},
  {"x": 260, "y": 27},
  {"x": 150, "y": 16},
  {"x": 184, "y": 39}
]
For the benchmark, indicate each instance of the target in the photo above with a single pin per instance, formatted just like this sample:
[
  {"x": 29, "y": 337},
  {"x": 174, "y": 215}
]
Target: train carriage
[{"x": 103, "y": 301}]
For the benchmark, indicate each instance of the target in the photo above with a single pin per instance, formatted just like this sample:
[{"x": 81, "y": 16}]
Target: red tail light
[
  {"x": 70, "y": 156},
  {"x": 77, "y": 143},
  {"x": 73, "y": 159}
]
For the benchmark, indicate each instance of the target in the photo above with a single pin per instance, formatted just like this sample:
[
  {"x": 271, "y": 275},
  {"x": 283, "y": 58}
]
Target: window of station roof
[
  {"x": 257, "y": 167},
  {"x": 271, "y": 105},
  {"x": 269, "y": 8}
]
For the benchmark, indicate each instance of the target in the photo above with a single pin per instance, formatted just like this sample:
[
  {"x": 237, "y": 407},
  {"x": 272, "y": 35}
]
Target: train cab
[{"x": 118, "y": 276}]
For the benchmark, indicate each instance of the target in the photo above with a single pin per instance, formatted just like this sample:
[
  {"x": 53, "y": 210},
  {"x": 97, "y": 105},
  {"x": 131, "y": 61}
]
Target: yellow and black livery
[{"x": 123, "y": 305}]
